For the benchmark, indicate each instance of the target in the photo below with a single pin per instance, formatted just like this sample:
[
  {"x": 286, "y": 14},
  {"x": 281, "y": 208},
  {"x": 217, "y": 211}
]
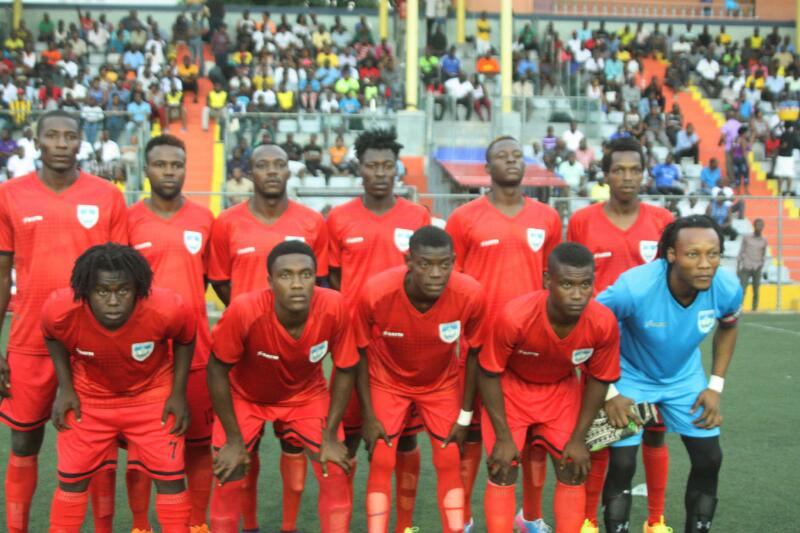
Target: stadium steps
[{"x": 707, "y": 123}]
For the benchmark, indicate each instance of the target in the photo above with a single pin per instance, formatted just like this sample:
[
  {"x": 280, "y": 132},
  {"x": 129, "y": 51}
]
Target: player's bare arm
[
  {"x": 371, "y": 427},
  {"x": 6, "y": 262},
  {"x": 332, "y": 449},
  {"x": 458, "y": 433},
  {"x": 66, "y": 398},
  {"x": 335, "y": 278},
  {"x": 576, "y": 451},
  {"x": 176, "y": 404},
  {"x": 505, "y": 456},
  {"x": 232, "y": 458},
  {"x": 723, "y": 345},
  {"x": 223, "y": 291}
]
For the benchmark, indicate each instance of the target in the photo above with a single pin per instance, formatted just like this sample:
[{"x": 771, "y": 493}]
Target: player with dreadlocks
[
  {"x": 368, "y": 235},
  {"x": 109, "y": 337},
  {"x": 665, "y": 309}
]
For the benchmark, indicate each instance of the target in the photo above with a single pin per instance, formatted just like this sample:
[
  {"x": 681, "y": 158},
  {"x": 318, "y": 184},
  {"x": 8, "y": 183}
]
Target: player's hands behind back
[
  {"x": 66, "y": 401},
  {"x": 711, "y": 417},
  {"x": 620, "y": 409}
]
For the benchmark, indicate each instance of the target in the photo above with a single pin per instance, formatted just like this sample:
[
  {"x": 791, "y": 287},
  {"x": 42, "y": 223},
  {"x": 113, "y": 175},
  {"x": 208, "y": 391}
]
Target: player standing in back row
[
  {"x": 368, "y": 235},
  {"x": 241, "y": 239},
  {"x": 47, "y": 220},
  {"x": 665, "y": 309},
  {"x": 623, "y": 233},
  {"x": 503, "y": 240},
  {"x": 172, "y": 233}
]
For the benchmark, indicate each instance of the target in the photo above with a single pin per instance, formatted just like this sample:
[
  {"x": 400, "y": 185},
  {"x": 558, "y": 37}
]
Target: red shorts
[
  {"x": 549, "y": 411},
  {"x": 438, "y": 410},
  {"x": 300, "y": 425},
  {"x": 351, "y": 420},
  {"x": 91, "y": 445},
  {"x": 33, "y": 390},
  {"x": 200, "y": 409}
]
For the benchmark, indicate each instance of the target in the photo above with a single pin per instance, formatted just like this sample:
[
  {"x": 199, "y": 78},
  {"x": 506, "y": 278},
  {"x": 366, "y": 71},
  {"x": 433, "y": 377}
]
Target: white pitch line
[{"x": 773, "y": 328}]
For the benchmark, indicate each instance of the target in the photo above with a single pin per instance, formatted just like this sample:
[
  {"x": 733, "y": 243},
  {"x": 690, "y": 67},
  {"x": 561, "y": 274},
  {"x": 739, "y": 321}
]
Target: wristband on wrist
[
  {"x": 612, "y": 392},
  {"x": 464, "y": 418},
  {"x": 716, "y": 383}
]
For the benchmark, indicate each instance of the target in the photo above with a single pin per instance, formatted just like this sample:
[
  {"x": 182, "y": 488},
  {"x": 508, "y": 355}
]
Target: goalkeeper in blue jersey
[{"x": 665, "y": 309}]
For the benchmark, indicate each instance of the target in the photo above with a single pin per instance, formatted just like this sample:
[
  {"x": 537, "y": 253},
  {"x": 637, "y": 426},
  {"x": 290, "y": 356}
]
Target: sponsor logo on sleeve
[
  {"x": 581, "y": 355},
  {"x": 318, "y": 352},
  {"x": 449, "y": 332},
  {"x": 193, "y": 240},
  {"x": 88, "y": 215},
  {"x": 535, "y": 238},
  {"x": 401, "y": 238},
  {"x": 142, "y": 350}
]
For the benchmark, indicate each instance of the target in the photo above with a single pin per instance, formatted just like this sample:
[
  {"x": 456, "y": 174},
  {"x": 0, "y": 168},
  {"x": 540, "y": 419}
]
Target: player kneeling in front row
[
  {"x": 411, "y": 324},
  {"x": 266, "y": 365},
  {"x": 109, "y": 338},
  {"x": 666, "y": 308},
  {"x": 530, "y": 388}
]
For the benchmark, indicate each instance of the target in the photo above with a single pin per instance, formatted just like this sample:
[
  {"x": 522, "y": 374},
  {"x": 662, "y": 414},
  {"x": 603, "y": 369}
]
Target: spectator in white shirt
[
  {"x": 708, "y": 68},
  {"x": 98, "y": 37},
  {"x": 459, "y": 89},
  {"x": 28, "y": 143},
  {"x": 19, "y": 165},
  {"x": 108, "y": 149},
  {"x": 572, "y": 137},
  {"x": 92, "y": 117},
  {"x": 573, "y": 173},
  {"x": 77, "y": 91},
  {"x": 328, "y": 102}
]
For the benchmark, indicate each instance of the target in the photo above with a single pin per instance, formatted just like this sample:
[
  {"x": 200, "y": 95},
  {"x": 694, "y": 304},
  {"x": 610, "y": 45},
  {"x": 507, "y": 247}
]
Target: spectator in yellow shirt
[
  {"x": 483, "y": 34},
  {"x": 756, "y": 40},
  {"x": 326, "y": 55},
  {"x": 286, "y": 99}
]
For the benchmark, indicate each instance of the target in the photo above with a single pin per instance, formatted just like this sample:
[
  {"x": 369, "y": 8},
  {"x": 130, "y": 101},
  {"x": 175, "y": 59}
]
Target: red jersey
[
  {"x": 616, "y": 250},
  {"x": 129, "y": 365},
  {"x": 272, "y": 367},
  {"x": 240, "y": 244},
  {"x": 409, "y": 350},
  {"x": 523, "y": 342},
  {"x": 177, "y": 250},
  {"x": 507, "y": 255},
  {"x": 363, "y": 244},
  {"x": 47, "y": 231}
]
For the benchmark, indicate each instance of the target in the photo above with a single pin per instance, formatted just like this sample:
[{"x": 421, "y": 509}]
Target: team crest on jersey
[
  {"x": 535, "y": 238},
  {"x": 449, "y": 332},
  {"x": 705, "y": 320},
  {"x": 648, "y": 250},
  {"x": 581, "y": 355},
  {"x": 88, "y": 215},
  {"x": 401, "y": 238},
  {"x": 318, "y": 352},
  {"x": 193, "y": 241},
  {"x": 142, "y": 350}
]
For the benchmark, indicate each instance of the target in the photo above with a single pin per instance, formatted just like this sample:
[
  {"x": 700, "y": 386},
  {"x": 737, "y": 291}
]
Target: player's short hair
[
  {"x": 377, "y": 139},
  {"x": 287, "y": 248},
  {"x": 429, "y": 236},
  {"x": 670, "y": 235},
  {"x": 110, "y": 257},
  {"x": 497, "y": 140},
  {"x": 621, "y": 144},
  {"x": 56, "y": 113},
  {"x": 570, "y": 254},
  {"x": 163, "y": 140}
]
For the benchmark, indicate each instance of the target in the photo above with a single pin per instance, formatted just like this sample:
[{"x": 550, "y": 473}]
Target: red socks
[
  {"x": 139, "y": 485},
  {"x": 656, "y": 468},
  {"x": 569, "y": 504},
  {"x": 226, "y": 506},
  {"x": 379, "y": 487},
  {"x": 449, "y": 487},
  {"x": 199, "y": 477},
  {"x": 406, "y": 474},
  {"x": 334, "y": 506},
  {"x": 470, "y": 463},
  {"x": 250, "y": 494},
  {"x": 594, "y": 483},
  {"x": 21, "y": 474},
  {"x": 102, "y": 490},
  {"x": 293, "y": 473},
  {"x": 351, "y": 478},
  {"x": 173, "y": 512},
  {"x": 67, "y": 511},
  {"x": 534, "y": 473},
  {"x": 499, "y": 505}
]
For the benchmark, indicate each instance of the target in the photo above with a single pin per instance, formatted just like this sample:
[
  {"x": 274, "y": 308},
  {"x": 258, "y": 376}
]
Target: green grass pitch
[{"x": 759, "y": 442}]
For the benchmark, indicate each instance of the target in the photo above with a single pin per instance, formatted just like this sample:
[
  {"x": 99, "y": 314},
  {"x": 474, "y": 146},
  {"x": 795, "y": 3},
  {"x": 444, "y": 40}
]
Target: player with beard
[
  {"x": 48, "y": 219},
  {"x": 503, "y": 239},
  {"x": 623, "y": 233},
  {"x": 665, "y": 309},
  {"x": 172, "y": 233},
  {"x": 241, "y": 239}
]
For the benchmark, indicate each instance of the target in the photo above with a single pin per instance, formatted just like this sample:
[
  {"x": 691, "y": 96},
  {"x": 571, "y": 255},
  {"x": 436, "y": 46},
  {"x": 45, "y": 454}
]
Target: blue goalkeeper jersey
[{"x": 659, "y": 338}]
